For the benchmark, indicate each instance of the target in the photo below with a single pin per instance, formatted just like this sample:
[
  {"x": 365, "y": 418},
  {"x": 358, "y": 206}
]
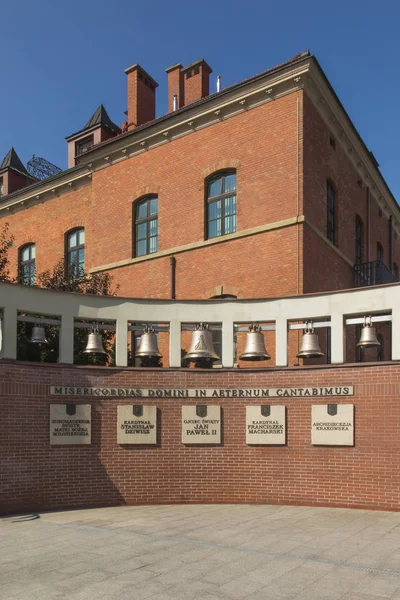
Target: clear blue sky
[{"x": 60, "y": 60}]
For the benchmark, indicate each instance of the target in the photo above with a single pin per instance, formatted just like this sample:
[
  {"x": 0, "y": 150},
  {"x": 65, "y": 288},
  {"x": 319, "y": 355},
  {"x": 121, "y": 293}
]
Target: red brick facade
[{"x": 37, "y": 476}]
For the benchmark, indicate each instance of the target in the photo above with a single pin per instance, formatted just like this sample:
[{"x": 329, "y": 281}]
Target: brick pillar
[
  {"x": 196, "y": 81},
  {"x": 141, "y": 97},
  {"x": 175, "y": 86}
]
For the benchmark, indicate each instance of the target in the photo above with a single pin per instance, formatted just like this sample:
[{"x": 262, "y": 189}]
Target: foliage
[
  {"x": 6, "y": 242},
  {"x": 151, "y": 361},
  {"x": 59, "y": 279}
]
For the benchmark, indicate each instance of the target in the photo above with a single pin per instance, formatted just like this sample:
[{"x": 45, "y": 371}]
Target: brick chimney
[
  {"x": 196, "y": 81},
  {"x": 175, "y": 87},
  {"x": 188, "y": 84},
  {"x": 141, "y": 97}
]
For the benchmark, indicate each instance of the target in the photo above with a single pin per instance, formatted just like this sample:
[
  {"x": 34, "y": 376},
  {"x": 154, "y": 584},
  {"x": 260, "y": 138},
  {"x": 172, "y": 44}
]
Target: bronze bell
[
  {"x": 309, "y": 344},
  {"x": 39, "y": 335},
  {"x": 202, "y": 345},
  {"x": 148, "y": 344},
  {"x": 95, "y": 342},
  {"x": 368, "y": 337},
  {"x": 255, "y": 345}
]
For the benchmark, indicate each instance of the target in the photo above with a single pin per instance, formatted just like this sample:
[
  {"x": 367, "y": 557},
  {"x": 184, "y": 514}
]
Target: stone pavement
[{"x": 201, "y": 552}]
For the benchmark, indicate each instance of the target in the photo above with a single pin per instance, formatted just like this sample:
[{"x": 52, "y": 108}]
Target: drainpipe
[
  {"x": 172, "y": 264},
  {"x": 390, "y": 243},
  {"x": 368, "y": 226}
]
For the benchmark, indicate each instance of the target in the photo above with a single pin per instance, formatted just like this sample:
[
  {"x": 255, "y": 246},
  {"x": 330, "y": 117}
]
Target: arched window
[
  {"x": 330, "y": 212},
  {"x": 27, "y": 264},
  {"x": 221, "y": 204},
  {"x": 146, "y": 226},
  {"x": 379, "y": 251},
  {"x": 76, "y": 252},
  {"x": 359, "y": 240}
]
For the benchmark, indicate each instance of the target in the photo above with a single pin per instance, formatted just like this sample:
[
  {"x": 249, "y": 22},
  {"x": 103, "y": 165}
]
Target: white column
[
  {"x": 396, "y": 333},
  {"x": 281, "y": 342},
  {"x": 175, "y": 343},
  {"x": 9, "y": 347},
  {"x": 338, "y": 339},
  {"x": 66, "y": 340},
  {"x": 227, "y": 344},
  {"x": 121, "y": 343}
]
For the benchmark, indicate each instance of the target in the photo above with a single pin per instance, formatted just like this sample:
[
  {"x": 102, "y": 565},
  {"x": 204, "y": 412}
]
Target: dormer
[
  {"x": 98, "y": 129},
  {"x": 13, "y": 174}
]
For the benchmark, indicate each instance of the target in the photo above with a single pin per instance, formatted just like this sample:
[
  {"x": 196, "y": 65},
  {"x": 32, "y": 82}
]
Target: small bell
[
  {"x": 368, "y": 337},
  {"x": 38, "y": 335},
  {"x": 255, "y": 345},
  {"x": 309, "y": 344},
  {"x": 202, "y": 345},
  {"x": 148, "y": 344},
  {"x": 95, "y": 342}
]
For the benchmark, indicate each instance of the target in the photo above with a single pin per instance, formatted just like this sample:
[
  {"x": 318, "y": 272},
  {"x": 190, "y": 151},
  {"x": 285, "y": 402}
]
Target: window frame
[
  {"x": 331, "y": 212},
  {"x": 138, "y": 221},
  {"x": 88, "y": 138},
  {"x": 220, "y": 197},
  {"x": 22, "y": 263},
  {"x": 69, "y": 251},
  {"x": 1, "y": 187}
]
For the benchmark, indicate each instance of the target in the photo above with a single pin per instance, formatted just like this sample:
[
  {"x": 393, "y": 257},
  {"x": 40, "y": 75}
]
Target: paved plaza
[{"x": 217, "y": 552}]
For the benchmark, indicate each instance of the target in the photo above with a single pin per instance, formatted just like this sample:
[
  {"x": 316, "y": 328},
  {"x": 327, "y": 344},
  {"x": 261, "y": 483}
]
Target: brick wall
[
  {"x": 283, "y": 158},
  {"x": 37, "y": 476}
]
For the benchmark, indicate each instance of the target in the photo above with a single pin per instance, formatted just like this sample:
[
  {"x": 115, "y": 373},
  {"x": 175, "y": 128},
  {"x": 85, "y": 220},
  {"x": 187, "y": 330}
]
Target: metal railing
[{"x": 374, "y": 272}]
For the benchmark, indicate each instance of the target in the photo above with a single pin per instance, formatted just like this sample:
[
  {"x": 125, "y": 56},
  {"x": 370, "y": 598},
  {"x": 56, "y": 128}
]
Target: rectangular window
[
  {"x": 1, "y": 186},
  {"x": 83, "y": 145},
  {"x": 221, "y": 205}
]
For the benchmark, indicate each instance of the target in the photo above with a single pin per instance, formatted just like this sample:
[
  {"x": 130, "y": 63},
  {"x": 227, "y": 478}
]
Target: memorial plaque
[
  {"x": 201, "y": 424},
  {"x": 265, "y": 424},
  {"x": 70, "y": 424},
  {"x": 333, "y": 424},
  {"x": 137, "y": 424}
]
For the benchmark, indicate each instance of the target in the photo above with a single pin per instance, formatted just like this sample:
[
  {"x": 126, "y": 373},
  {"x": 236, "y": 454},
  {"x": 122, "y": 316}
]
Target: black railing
[{"x": 372, "y": 273}]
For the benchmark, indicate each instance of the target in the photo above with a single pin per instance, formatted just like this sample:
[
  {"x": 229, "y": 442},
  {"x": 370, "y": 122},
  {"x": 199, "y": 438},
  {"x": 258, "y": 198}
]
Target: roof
[
  {"x": 13, "y": 161},
  {"x": 99, "y": 118}
]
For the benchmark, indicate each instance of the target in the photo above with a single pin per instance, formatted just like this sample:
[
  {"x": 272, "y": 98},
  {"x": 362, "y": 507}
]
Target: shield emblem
[
  {"x": 71, "y": 410},
  {"x": 201, "y": 410},
  {"x": 332, "y": 409},
  {"x": 266, "y": 410},
  {"x": 137, "y": 410}
]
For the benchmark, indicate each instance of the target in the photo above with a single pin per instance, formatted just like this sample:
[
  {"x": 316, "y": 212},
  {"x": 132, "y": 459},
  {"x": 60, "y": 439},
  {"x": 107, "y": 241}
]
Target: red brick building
[{"x": 262, "y": 189}]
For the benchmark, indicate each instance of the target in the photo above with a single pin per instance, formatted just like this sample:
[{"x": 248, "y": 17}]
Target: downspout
[
  {"x": 390, "y": 243},
  {"x": 172, "y": 265},
  {"x": 368, "y": 226},
  {"x": 298, "y": 196}
]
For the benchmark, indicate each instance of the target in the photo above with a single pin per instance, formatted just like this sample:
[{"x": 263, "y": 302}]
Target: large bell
[
  {"x": 309, "y": 344},
  {"x": 95, "y": 342},
  {"x": 39, "y": 335},
  {"x": 368, "y": 337},
  {"x": 202, "y": 345},
  {"x": 255, "y": 346},
  {"x": 148, "y": 344}
]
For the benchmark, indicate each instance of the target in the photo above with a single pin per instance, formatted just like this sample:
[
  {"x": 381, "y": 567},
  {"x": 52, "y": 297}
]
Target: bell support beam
[
  {"x": 175, "y": 343},
  {"x": 338, "y": 339},
  {"x": 121, "y": 343},
  {"x": 9, "y": 333},
  {"x": 281, "y": 340},
  {"x": 227, "y": 344},
  {"x": 396, "y": 333},
  {"x": 66, "y": 340}
]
